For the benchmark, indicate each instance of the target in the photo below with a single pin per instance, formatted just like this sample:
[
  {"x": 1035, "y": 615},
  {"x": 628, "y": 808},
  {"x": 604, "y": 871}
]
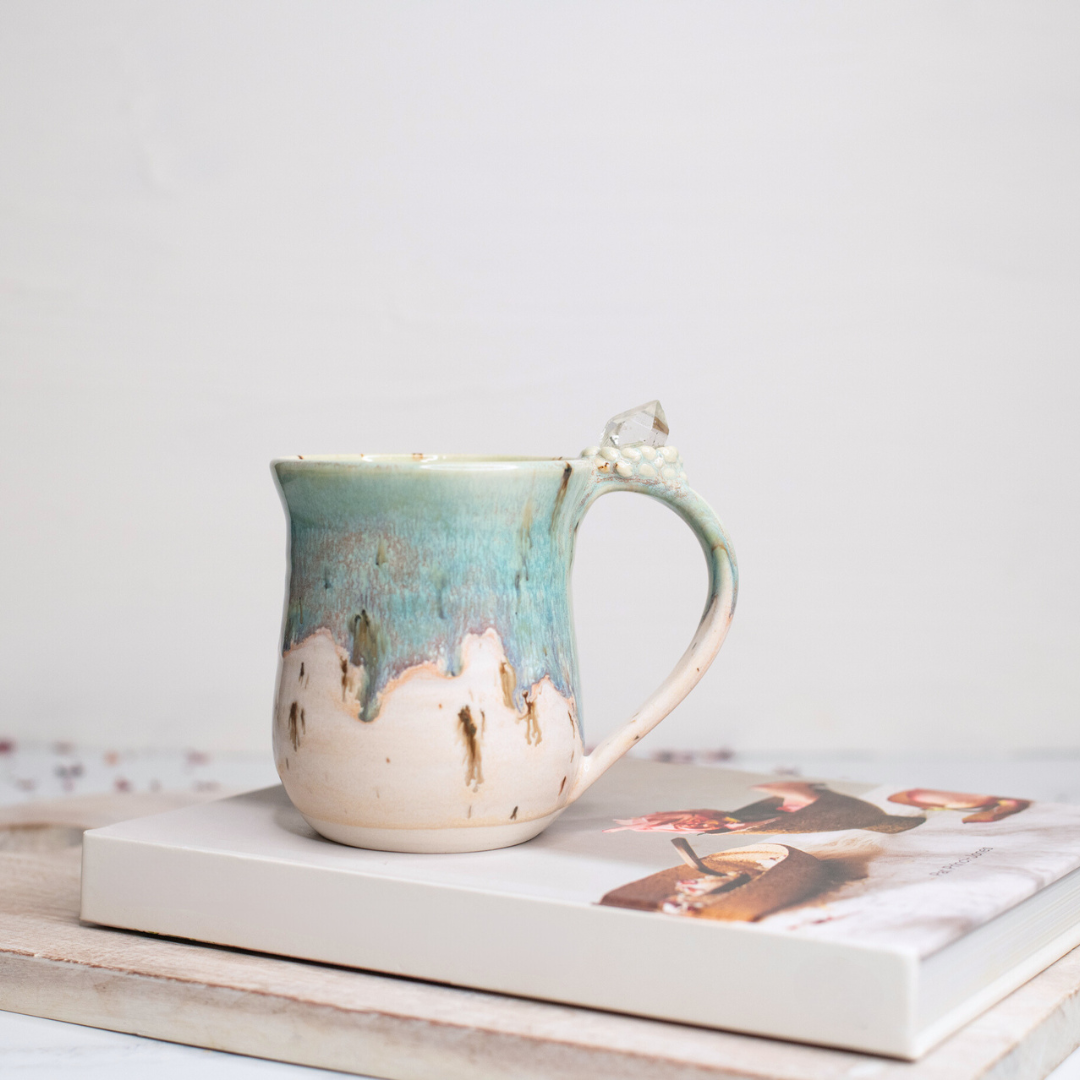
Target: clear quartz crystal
[{"x": 646, "y": 424}]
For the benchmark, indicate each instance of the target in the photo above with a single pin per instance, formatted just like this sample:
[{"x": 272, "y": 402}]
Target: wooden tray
[{"x": 54, "y": 966}]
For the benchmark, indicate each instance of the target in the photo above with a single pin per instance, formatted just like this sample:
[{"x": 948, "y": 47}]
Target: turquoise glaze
[{"x": 399, "y": 559}]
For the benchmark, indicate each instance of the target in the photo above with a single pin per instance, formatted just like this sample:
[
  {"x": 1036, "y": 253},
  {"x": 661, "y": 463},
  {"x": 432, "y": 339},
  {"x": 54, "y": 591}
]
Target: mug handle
[{"x": 658, "y": 473}]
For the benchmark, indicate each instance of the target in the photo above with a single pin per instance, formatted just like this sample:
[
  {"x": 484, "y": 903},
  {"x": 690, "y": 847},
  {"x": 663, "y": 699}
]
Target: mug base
[{"x": 433, "y": 841}]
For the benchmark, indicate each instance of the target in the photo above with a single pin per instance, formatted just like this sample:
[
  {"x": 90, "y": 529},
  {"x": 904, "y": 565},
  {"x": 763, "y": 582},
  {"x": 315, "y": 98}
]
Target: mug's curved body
[
  {"x": 428, "y": 694},
  {"x": 428, "y": 683}
]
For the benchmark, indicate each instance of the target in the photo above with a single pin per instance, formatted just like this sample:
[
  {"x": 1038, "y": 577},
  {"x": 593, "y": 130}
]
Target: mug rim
[{"x": 418, "y": 460}]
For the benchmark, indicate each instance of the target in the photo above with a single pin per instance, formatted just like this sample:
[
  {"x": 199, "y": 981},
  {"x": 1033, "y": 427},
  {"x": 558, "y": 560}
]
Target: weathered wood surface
[{"x": 54, "y": 966}]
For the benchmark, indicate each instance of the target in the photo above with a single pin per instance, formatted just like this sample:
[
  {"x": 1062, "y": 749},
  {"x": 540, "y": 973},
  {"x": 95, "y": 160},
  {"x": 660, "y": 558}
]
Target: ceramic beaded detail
[{"x": 640, "y": 461}]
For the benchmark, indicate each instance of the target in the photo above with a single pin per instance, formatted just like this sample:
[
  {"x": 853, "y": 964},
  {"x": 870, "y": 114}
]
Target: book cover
[{"x": 910, "y": 869}]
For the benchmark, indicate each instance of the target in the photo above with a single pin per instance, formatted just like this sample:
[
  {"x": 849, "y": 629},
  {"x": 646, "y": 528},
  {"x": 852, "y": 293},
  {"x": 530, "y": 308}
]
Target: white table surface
[{"x": 35, "y": 1049}]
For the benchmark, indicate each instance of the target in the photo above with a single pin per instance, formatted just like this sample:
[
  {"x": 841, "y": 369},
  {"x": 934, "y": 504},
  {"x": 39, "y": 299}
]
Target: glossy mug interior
[{"x": 428, "y": 688}]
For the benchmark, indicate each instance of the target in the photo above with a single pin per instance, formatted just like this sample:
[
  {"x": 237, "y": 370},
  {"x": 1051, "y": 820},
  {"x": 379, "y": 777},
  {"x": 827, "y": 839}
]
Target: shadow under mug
[{"x": 428, "y": 685}]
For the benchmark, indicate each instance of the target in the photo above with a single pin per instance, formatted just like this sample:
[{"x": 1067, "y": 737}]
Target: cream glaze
[{"x": 444, "y": 752}]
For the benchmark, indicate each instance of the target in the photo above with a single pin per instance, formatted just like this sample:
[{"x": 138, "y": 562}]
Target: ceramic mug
[{"x": 427, "y": 694}]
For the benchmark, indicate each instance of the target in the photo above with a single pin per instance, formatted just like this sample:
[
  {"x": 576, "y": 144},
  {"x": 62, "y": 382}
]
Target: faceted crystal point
[{"x": 645, "y": 424}]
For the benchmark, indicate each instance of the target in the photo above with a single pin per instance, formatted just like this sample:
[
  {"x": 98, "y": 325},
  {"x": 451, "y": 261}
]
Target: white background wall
[{"x": 840, "y": 242}]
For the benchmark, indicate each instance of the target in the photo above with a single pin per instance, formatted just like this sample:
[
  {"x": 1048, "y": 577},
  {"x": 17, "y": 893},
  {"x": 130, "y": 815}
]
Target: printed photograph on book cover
[{"x": 918, "y": 868}]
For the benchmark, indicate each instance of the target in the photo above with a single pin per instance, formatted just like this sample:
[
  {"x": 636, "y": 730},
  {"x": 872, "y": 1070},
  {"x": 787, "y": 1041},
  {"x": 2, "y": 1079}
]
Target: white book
[{"x": 874, "y": 919}]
